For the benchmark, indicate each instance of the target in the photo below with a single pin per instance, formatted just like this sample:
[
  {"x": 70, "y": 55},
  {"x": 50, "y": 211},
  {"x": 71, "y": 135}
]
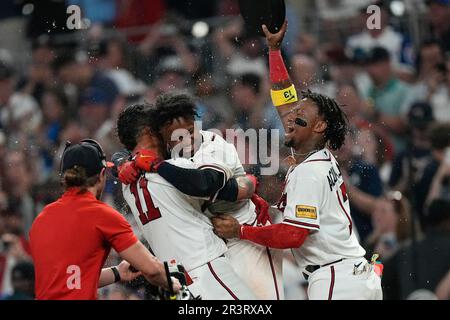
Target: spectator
[
  {"x": 440, "y": 140},
  {"x": 246, "y": 101},
  {"x": 22, "y": 280},
  {"x": 439, "y": 15},
  {"x": 240, "y": 57},
  {"x": 14, "y": 250},
  {"x": 363, "y": 182},
  {"x": 391, "y": 219},
  {"x": 417, "y": 154},
  {"x": 429, "y": 62},
  {"x": 385, "y": 37},
  {"x": 439, "y": 95},
  {"x": 389, "y": 96},
  {"x": 94, "y": 109},
  {"x": 19, "y": 112},
  {"x": 424, "y": 265},
  {"x": 18, "y": 175},
  {"x": 82, "y": 74},
  {"x": 54, "y": 106},
  {"x": 112, "y": 55},
  {"x": 165, "y": 42}
]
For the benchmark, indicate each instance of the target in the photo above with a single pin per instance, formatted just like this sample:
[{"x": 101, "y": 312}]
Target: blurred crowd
[{"x": 394, "y": 85}]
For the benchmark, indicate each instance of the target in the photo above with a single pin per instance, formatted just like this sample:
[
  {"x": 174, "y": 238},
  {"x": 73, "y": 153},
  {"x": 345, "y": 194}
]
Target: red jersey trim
[
  {"x": 273, "y": 273},
  {"x": 330, "y": 291},
  {"x": 221, "y": 282},
  {"x": 350, "y": 226},
  {"x": 303, "y": 224}
]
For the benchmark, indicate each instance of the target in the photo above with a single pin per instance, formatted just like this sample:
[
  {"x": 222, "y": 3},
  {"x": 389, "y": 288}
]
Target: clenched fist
[{"x": 225, "y": 226}]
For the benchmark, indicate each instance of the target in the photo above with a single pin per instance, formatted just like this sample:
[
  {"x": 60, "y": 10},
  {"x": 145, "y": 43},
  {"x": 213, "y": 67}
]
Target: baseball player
[
  {"x": 316, "y": 224},
  {"x": 172, "y": 222},
  {"x": 259, "y": 266}
]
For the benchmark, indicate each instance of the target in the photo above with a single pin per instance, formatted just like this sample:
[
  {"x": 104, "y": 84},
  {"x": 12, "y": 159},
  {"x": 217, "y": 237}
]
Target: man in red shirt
[{"x": 72, "y": 237}]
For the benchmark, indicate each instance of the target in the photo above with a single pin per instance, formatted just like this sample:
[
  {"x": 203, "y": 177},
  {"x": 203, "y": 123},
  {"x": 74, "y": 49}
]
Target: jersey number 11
[{"x": 153, "y": 212}]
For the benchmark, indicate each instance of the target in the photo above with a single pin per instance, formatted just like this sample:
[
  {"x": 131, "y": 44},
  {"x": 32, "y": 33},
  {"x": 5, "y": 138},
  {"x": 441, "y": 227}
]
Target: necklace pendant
[{"x": 290, "y": 160}]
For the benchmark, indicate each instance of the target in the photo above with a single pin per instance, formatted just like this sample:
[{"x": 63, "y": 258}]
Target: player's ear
[{"x": 320, "y": 126}]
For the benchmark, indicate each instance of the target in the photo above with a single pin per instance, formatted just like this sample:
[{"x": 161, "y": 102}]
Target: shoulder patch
[{"x": 307, "y": 212}]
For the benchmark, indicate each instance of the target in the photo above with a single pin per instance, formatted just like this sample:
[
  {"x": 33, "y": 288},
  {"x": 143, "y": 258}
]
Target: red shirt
[{"x": 70, "y": 241}]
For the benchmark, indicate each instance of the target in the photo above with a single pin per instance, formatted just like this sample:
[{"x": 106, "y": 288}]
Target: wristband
[
  {"x": 116, "y": 274},
  {"x": 284, "y": 96}
]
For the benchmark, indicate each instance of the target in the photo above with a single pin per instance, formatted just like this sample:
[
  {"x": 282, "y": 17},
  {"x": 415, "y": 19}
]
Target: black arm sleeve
[
  {"x": 193, "y": 182},
  {"x": 118, "y": 158},
  {"x": 230, "y": 191}
]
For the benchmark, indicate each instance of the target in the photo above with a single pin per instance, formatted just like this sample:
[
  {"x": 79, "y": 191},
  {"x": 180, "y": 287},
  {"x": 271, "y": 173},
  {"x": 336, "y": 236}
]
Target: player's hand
[
  {"x": 127, "y": 273},
  {"x": 262, "y": 210},
  {"x": 147, "y": 160},
  {"x": 225, "y": 226},
  {"x": 128, "y": 173},
  {"x": 274, "y": 40},
  {"x": 176, "y": 285}
]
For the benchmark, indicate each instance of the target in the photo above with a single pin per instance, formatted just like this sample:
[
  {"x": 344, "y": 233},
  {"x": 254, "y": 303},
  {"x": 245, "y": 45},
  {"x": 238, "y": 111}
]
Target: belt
[{"x": 310, "y": 269}]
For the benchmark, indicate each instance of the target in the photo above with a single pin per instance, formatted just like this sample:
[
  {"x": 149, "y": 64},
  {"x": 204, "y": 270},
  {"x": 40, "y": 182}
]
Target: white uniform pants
[
  {"x": 259, "y": 267},
  {"x": 217, "y": 280},
  {"x": 339, "y": 281}
]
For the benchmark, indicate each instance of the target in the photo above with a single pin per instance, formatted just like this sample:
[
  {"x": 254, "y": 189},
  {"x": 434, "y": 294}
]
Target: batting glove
[
  {"x": 262, "y": 210},
  {"x": 128, "y": 173},
  {"x": 147, "y": 160}
]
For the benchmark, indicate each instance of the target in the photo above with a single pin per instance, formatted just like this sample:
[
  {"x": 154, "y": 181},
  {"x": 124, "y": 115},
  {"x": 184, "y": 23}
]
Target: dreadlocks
[
  {"x": 172, "y": 106},
  {"x": 336, "y": 119}
]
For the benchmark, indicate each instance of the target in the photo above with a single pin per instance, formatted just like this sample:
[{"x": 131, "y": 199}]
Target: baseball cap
[
  {"x": 87, "y": 154},
  {"x": 420, "y": 115},
  {"x": 377, "y": 54}
]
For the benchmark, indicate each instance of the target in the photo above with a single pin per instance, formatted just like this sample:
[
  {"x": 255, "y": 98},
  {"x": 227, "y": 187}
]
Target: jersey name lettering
[{"x": 333, "y": 177}]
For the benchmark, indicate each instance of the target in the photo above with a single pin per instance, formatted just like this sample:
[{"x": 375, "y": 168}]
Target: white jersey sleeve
[
  {"x": 215, "y": 153},
  {"x": 304, "y": 200}
]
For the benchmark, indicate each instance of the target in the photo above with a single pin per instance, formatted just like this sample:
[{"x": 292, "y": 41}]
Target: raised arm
[{"x": 284, "y": 96}]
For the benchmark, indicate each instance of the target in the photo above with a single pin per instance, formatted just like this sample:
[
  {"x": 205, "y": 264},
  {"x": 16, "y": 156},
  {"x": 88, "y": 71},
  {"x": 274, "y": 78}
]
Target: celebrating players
[
  {"x": 259, "y": 266},
  {"x": 316, "y": 224},
  {"x": 173, "y": 223}
]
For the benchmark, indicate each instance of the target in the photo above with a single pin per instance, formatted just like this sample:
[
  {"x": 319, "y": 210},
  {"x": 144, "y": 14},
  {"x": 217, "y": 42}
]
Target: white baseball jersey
[
  {"x": 315, "y": 198},
  {"x": 258, "y": 266},
  {"x": 215, "y": 153},
  {"x": 172, "y": 222}
]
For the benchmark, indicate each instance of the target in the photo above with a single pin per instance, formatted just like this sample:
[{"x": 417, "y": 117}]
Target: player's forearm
[
  {"x": 236, "y": 189},
  {"x": 140, "y": 258},
  {"x": 278, "y": 236},
  {"x": 193, "y": 182},
  {"x": 280, "y": 80},
  {"x": 106, "y": 277}
]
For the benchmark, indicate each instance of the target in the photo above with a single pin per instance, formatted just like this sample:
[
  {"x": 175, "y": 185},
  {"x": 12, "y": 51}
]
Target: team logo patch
[{"x": 307, "y": 212}]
